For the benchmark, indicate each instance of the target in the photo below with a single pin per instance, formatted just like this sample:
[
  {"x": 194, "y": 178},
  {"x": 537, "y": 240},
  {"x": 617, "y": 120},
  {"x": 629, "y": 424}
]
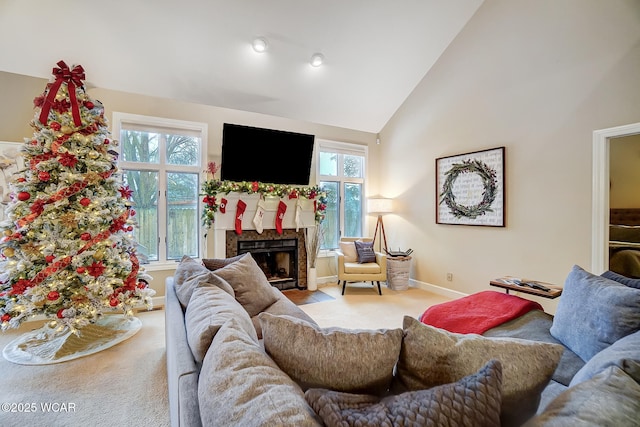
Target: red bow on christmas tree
[{"x": 73, "y": 78}]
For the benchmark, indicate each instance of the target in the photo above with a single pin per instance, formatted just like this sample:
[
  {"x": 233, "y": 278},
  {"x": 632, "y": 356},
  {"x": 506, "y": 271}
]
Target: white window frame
[
  {"x": 153, "y": 123},
  {"x": 349, "y": 149}
]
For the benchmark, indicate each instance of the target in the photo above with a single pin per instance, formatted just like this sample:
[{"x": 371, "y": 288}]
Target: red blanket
[{"x": 477, "y": 313}]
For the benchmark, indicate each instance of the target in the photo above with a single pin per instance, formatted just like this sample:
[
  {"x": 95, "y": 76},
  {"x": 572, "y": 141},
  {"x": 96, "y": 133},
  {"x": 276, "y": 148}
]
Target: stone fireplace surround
[{"x": 232, "y": 240}]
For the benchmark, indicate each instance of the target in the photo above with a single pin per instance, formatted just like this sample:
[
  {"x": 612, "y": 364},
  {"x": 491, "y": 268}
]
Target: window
[
  {"x": 161, "y": 161},
  {"x": 341, "y": 171}
]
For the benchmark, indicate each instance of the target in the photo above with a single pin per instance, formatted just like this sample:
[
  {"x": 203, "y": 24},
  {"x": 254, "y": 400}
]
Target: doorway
[{"x": 600, "y": 194}]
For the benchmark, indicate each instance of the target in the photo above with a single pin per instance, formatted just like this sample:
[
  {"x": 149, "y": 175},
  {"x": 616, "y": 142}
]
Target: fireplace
[{"x": 282, "y": 257}]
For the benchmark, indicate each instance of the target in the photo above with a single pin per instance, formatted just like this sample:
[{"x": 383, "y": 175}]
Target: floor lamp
[{"x": 380, "y": 206}]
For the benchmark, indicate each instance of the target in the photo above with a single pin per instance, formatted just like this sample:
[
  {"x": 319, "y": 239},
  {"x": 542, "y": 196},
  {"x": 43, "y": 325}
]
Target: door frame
[{"x": 600, "y": 193}]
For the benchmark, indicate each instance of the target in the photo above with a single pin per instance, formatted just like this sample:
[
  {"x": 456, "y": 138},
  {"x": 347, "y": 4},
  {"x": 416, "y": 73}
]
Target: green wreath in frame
[{"x": 489, "y": 181}]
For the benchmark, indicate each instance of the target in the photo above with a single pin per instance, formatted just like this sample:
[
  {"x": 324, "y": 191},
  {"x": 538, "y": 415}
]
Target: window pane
[
  {"x": 183, "y": 150},
  {"x": 182, "y": 215},
  {"x": 145, "y": 197},
  {"x": 331, "y": 223},
  {"x": 353, "y": 166},
  {"x": 139, "y": 146},
  {"x": 328, "y": 164},
  {"x": 352, "y": 210}
]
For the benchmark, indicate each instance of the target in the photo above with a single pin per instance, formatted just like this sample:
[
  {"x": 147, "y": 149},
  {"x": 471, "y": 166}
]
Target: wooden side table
[{"x": 508, "y": 284}]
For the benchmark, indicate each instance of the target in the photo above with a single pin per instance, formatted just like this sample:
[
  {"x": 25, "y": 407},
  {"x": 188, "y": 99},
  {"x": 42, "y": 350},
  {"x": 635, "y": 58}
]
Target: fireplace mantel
[{"x": 226, "y": 221}]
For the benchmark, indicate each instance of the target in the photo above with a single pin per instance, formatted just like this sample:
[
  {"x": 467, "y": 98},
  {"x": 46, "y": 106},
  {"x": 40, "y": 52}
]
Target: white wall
[{"x": 537, "y": 77}]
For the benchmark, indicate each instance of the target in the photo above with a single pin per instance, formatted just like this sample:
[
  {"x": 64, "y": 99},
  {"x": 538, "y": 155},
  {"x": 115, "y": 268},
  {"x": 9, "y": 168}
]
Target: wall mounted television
[{"x": 265, "y": 155}]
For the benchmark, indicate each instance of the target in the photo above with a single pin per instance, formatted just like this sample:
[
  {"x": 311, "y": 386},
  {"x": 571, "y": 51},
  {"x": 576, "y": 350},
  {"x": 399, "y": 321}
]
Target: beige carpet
[
  {"x": 126, "y": 385},
  {"x": 362, "y": 308}
]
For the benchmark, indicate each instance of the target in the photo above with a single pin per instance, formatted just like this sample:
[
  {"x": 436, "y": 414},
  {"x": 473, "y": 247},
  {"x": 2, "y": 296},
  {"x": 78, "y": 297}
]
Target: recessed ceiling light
[
  {"x": 259, "y": 44},
  {"x": 317, "y": 59}
]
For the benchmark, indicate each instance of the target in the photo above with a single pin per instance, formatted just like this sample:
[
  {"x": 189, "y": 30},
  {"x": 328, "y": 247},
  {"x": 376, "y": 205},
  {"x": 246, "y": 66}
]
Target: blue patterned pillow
[{"x": 594, "y": 312}]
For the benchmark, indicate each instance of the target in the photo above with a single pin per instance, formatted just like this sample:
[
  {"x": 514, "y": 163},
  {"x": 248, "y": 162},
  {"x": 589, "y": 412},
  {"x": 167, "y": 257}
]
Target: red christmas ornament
[
  {"x": 55, "y": 126},
  {"x": 89, "y": 105},
  {"x": 106, "y": 142},
  {"x": 44, "y": 176},
  {"x": 85, "y": 201},
  {"x": 80, "y": 270},
  {"x": 85, "y": 236},
  {"x": 23, "y": 196},
  {"x": 53, "y": 295},
  {"x": 5, "y": 317},
  {"x": 49, "y": 258},
  {"x": 59, "y": 314},
  {"x": 113, "y": 302}
]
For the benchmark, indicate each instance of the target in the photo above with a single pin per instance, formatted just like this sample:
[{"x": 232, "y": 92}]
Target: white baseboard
[
  {"x": 413, "y": 283},
  {"x": 436, "y": 289}
]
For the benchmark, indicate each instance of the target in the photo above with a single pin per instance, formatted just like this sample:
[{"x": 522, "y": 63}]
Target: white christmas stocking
[{"x": 257, "y": 219}]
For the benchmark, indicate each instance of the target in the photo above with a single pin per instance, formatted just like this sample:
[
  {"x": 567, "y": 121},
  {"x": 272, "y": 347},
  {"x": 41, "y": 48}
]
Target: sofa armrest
[
  {"x": 182, "y": 370},
  {"x": 340, "y": 262},
  {"x": 381, "y": 260}
]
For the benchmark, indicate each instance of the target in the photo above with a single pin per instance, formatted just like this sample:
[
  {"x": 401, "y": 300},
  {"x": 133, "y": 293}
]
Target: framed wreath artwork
[{"x": 470, "y": 188}]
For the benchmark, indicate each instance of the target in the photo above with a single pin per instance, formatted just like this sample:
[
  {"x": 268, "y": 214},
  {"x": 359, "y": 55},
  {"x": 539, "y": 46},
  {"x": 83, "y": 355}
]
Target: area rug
[
  {"x": 302, "y": 297},
  {"x": 477, "y": 313}
]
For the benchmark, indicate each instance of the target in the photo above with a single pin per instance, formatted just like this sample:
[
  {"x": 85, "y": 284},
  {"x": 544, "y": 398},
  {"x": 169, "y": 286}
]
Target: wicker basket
[{"x": 398, "y": 273}]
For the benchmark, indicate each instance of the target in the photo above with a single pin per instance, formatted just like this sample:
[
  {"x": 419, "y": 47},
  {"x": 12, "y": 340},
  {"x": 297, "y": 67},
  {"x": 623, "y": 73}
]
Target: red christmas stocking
[
  {"x": 223, "y": 205},
  {"x": 239, "y": 214},
  {"x": 282, "y": 208}
]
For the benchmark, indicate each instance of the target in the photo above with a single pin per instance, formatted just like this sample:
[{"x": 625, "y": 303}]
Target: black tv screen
[{"x": 265, "y": 155}]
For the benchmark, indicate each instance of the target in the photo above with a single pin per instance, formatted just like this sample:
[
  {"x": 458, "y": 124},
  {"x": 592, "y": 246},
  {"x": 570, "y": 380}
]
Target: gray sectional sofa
[{"x": 240, "y": 353}]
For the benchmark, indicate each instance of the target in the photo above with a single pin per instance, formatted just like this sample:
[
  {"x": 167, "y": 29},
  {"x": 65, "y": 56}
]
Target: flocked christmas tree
[{"x": 68, "y": 250}]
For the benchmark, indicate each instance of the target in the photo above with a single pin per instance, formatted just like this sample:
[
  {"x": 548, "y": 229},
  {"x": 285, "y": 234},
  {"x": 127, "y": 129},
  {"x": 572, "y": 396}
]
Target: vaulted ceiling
[{"x": 376, "y": 51}]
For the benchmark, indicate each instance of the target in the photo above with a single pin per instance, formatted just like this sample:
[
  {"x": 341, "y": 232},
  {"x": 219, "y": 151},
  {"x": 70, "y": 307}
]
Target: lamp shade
[{"x": 379, "y": 205}]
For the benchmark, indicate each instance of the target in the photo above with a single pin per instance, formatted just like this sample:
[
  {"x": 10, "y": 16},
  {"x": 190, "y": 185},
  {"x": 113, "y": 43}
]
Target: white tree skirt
[{"x": 42, "y": 347}]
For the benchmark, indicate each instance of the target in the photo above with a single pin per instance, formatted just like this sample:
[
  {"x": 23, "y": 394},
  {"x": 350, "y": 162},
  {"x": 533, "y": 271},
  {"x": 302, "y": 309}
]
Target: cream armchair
[{"x": 349, "y": 270}]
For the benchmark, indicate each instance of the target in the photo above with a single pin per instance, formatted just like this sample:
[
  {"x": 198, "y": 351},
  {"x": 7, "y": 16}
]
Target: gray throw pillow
[
  {"x": 627, "y": 281},
  {"x": 239, "y": 385},
  {"x": 189, "y": 275},
  {"x": 624, "y": 353},
  {"x": 594, "y": 312},
  {"x": 349, "y": 360},
  {"x": 611, "y": 399},
  {"x": 214, "y": 264},
  {"x": 432, "y": 356},
  {"x": 474, "y": 400},
  {"x": 365, "y": 252},
  {"x": 209, "y": 309},
  {"x": 251, "y": 287}
]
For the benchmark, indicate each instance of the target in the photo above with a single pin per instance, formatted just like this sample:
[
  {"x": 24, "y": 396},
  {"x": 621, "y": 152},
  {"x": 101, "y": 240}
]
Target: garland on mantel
[{"x": 212, "y": 187}]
